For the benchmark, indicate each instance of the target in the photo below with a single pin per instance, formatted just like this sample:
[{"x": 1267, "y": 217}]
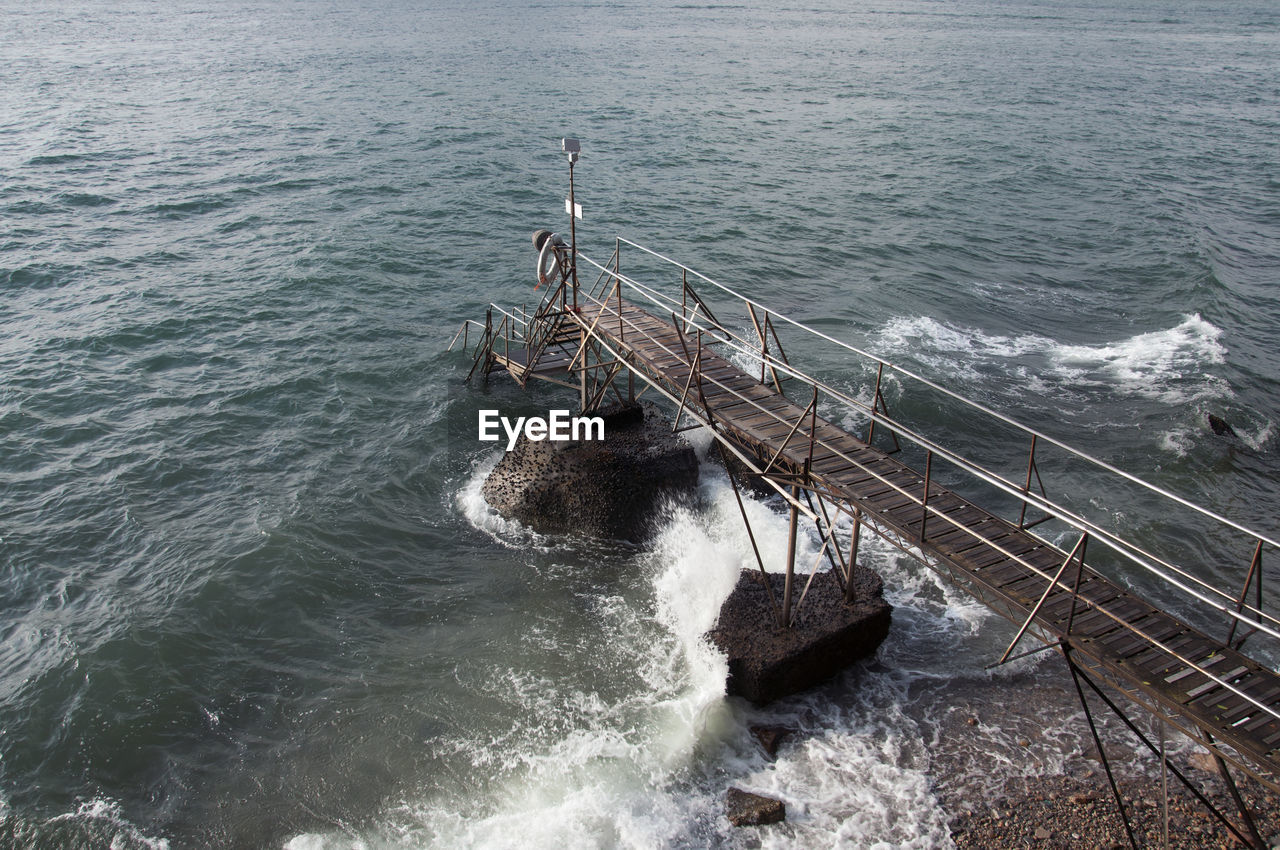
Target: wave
[
  {"x": 94, "y": 823},
  {"x": 1170, "y": 366},
  {"x": 649, "y": 765}
]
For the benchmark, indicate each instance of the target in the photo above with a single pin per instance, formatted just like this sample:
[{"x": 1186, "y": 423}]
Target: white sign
[{"x": 577, "y": 208}]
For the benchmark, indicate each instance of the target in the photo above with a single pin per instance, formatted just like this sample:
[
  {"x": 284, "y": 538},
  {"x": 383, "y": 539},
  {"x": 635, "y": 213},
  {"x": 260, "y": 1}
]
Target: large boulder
[
  {"x": 767, "y": 662},
  {"x": 601, "y": 488}
]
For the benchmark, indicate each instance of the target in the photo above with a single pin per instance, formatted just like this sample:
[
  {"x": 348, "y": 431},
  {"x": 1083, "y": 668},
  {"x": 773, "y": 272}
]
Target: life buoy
[{"x": 548, "y": 262}]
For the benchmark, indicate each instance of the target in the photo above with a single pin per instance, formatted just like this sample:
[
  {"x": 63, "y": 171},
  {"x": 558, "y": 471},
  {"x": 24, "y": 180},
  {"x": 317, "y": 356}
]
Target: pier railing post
[
  {"x": 924, "y": 499},
  {"x": 1032, "y": 469},
  {"x": 879, "y": 405},
  {"x": 1083, "y": 547},
  {"x": 1255, "y": 568},
  {"x": 791, "y": 554},
  {"x": 854, "y": 539}
]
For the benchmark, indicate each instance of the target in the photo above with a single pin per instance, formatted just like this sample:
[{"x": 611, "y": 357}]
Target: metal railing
[
  {"x": 691, "y": 314},
  {"x": 694, "y": 313},
  {"x": 600, "y": 321}
]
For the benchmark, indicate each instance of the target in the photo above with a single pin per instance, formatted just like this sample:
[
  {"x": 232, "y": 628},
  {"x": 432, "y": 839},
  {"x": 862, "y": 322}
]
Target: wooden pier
[{"x": 590, "y": 338}]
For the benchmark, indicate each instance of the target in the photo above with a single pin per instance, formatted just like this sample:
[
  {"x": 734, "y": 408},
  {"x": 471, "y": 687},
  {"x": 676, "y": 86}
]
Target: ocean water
[{"x": 250, "y": 596}]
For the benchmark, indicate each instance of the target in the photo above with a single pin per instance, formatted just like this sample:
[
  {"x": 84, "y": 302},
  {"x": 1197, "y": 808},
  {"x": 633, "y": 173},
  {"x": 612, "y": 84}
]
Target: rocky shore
[{"x": 1079, "y": 811}]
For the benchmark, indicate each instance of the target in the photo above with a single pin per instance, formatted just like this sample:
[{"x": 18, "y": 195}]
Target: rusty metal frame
[{"x": 789, "y": 475}]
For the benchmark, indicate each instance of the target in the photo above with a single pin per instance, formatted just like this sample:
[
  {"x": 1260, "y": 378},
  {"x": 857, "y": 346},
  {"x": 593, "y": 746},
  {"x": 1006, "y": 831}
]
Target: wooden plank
[
  {"x": 946, "y": 540},
  {"x": 1127, "y": 645},
  {"x": 830, "y": 467},
  {"x": 1162, "y": 661},
  {"x": 989, "y": 555},
  {"x": 1097, "y": 590},
  {"x": 1093, "y": 623},
  {"x": 1015, "y": 580},
  {"x": 1218, "y": 699},
  {"x": 1264, "y": 691},
  {"x": 900, "y": 506}
]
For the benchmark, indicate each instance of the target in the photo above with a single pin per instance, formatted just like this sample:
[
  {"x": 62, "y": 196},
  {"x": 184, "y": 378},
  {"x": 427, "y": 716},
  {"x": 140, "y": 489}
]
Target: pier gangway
[{"x": 1192, "y": 653}]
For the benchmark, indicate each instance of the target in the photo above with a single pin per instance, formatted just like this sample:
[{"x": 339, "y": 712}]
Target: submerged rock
[
  {"x": 601, "y": 488},
  {"x": 1220, "y": 426},
  {"x": 770, "y": 737},
  {"x": 767, "y": 662},
  {"x": 746, "y": 809}
]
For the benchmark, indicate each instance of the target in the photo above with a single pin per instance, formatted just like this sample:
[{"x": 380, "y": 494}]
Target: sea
[{"x": 250, "y": 596}]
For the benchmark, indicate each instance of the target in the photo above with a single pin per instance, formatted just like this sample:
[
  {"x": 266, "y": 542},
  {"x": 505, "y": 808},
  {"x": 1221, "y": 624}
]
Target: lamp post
[{"x": 573, "y": 149}]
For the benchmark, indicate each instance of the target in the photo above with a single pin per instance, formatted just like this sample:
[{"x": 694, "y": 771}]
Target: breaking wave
[{"x": 1172, "y": 366}]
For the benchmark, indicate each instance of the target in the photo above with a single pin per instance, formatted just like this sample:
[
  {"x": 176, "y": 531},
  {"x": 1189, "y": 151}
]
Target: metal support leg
[
  {"x": 828, "y": 534},
  {"x": 791, "y": 557},
  {"x": 854, "y": 539},
  {"x": 1245, "y": 814},
  {"x": 1102, "y": 753},
  {"x": 1188, "y": 784},
  {"x": 764, "y": 575}
]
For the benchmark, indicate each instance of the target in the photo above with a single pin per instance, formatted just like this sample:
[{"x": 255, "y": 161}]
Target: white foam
[
  {"x": 483, "y": 517},
  {"x": 313, "y": 841},
  {"x": 101, "y": 818},
  {"x": 1169, "y": 365},
  {"x": 650, "y": 767},
  {"x": 1164, "y": 365},
  {"x": 1178, "y": 441}
]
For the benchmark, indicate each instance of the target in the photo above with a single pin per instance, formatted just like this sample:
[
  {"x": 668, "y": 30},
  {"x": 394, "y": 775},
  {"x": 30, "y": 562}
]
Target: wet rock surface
[
  {"x": 767, "y": 662},
  {"x": 746, "y": 809},
  {"x": 601, "y": 488},
  {"x": 771, "y": 737}
]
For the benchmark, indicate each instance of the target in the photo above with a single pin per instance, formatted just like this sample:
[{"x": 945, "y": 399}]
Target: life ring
[{"x": 548, "y": 263}]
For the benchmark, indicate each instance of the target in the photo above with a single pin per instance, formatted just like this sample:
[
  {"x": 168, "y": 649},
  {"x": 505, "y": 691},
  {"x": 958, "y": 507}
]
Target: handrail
[
  {"x": 1054, "y": 581},
  {"x": 690, "y": 312},
  {"x": 976, "y": 405},
  {"x": 1129, "y": 551}
]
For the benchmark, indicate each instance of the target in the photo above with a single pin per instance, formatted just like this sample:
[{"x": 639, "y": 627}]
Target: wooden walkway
[{"x": 1160, "y": 661}]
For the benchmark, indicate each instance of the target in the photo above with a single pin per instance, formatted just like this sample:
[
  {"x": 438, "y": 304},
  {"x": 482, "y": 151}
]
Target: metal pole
[
  {"x": 764, "y": 575},
  {"x": 791, "y": 557},
  {"x": 1164, "y": 785},
  {"x": 1083, "y": 546},
  {"x": 1102, "y": 753},
  {"x": 1245, "y": 814},
  {"x": 1188, "y": 784},
  {"x": 875, "y": 406},
  {"x": 1244, "y": 594},
  {"x": 582, "y": 381},
  {"x": 854, "y": 537},
  {"x": 1026, "y": 488},
  {"x": 573, "y": 239},
  {"x": 924, "y": 501}
]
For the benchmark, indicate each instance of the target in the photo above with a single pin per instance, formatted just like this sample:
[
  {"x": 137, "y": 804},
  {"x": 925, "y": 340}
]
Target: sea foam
[{"x": 1171, "y": 366}]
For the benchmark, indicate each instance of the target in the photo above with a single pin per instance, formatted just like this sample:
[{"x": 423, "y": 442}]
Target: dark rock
[
  {"x": 1220, "y": 426},
  {"x": 770, "y": 737},
  {"x": 746, "y": 809},
  {"x": 767, "y": 662},
  {"x": 602, "y": 488}
]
